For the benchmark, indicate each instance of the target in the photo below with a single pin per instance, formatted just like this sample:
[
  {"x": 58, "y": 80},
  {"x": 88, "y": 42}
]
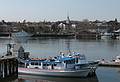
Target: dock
[
  {"x": 8, "y": 66},
  {"x": 110, "y": 64}
]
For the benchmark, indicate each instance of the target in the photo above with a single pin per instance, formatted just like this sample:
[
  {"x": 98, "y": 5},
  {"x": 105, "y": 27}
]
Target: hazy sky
[{"x": 53, "y": 10}]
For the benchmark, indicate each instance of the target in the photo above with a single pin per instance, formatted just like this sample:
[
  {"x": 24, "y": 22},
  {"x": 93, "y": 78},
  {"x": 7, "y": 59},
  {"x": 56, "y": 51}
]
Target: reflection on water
[{"x": 30, "y": 78}]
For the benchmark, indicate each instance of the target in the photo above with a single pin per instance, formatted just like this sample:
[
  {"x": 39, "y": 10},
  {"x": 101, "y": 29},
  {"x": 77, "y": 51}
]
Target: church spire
[{"x": 68, "y": 19}]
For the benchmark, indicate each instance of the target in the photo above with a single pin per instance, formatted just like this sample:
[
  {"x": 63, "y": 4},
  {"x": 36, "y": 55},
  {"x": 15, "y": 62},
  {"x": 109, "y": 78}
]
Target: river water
[{"x": 93, "y": 49}]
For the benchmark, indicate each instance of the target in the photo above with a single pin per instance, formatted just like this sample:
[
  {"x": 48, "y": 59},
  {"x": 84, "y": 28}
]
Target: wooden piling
[{"x": 8, "y": 66}]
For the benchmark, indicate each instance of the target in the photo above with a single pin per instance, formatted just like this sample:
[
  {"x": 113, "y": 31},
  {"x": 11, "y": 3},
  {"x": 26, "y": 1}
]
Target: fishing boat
[{"x": 63, "y": 66}]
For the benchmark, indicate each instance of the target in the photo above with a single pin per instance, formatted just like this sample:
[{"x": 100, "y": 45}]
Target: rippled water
[{"x": 93, "y": 49}]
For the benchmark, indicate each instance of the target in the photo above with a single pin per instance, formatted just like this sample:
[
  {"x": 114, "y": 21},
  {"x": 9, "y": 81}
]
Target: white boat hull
[{"x": 60, "y": 73}]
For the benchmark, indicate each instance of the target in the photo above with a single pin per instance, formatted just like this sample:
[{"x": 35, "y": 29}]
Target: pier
[
  {"x": 110, "y": 64},
  {"x": 8, "y": 66}
]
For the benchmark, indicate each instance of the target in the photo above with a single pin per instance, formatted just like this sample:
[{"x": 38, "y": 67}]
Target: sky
[{"x": 54, "y": 10}]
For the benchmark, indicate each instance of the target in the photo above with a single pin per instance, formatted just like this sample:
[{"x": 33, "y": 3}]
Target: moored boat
[
  {"x": 64, "y": 66},
  {"x": 21, "y": 34}
]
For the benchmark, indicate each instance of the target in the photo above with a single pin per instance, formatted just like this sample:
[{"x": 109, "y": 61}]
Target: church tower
[
  {"x": 68, "y": 24},
  {"x": 68, "y": 20}
]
